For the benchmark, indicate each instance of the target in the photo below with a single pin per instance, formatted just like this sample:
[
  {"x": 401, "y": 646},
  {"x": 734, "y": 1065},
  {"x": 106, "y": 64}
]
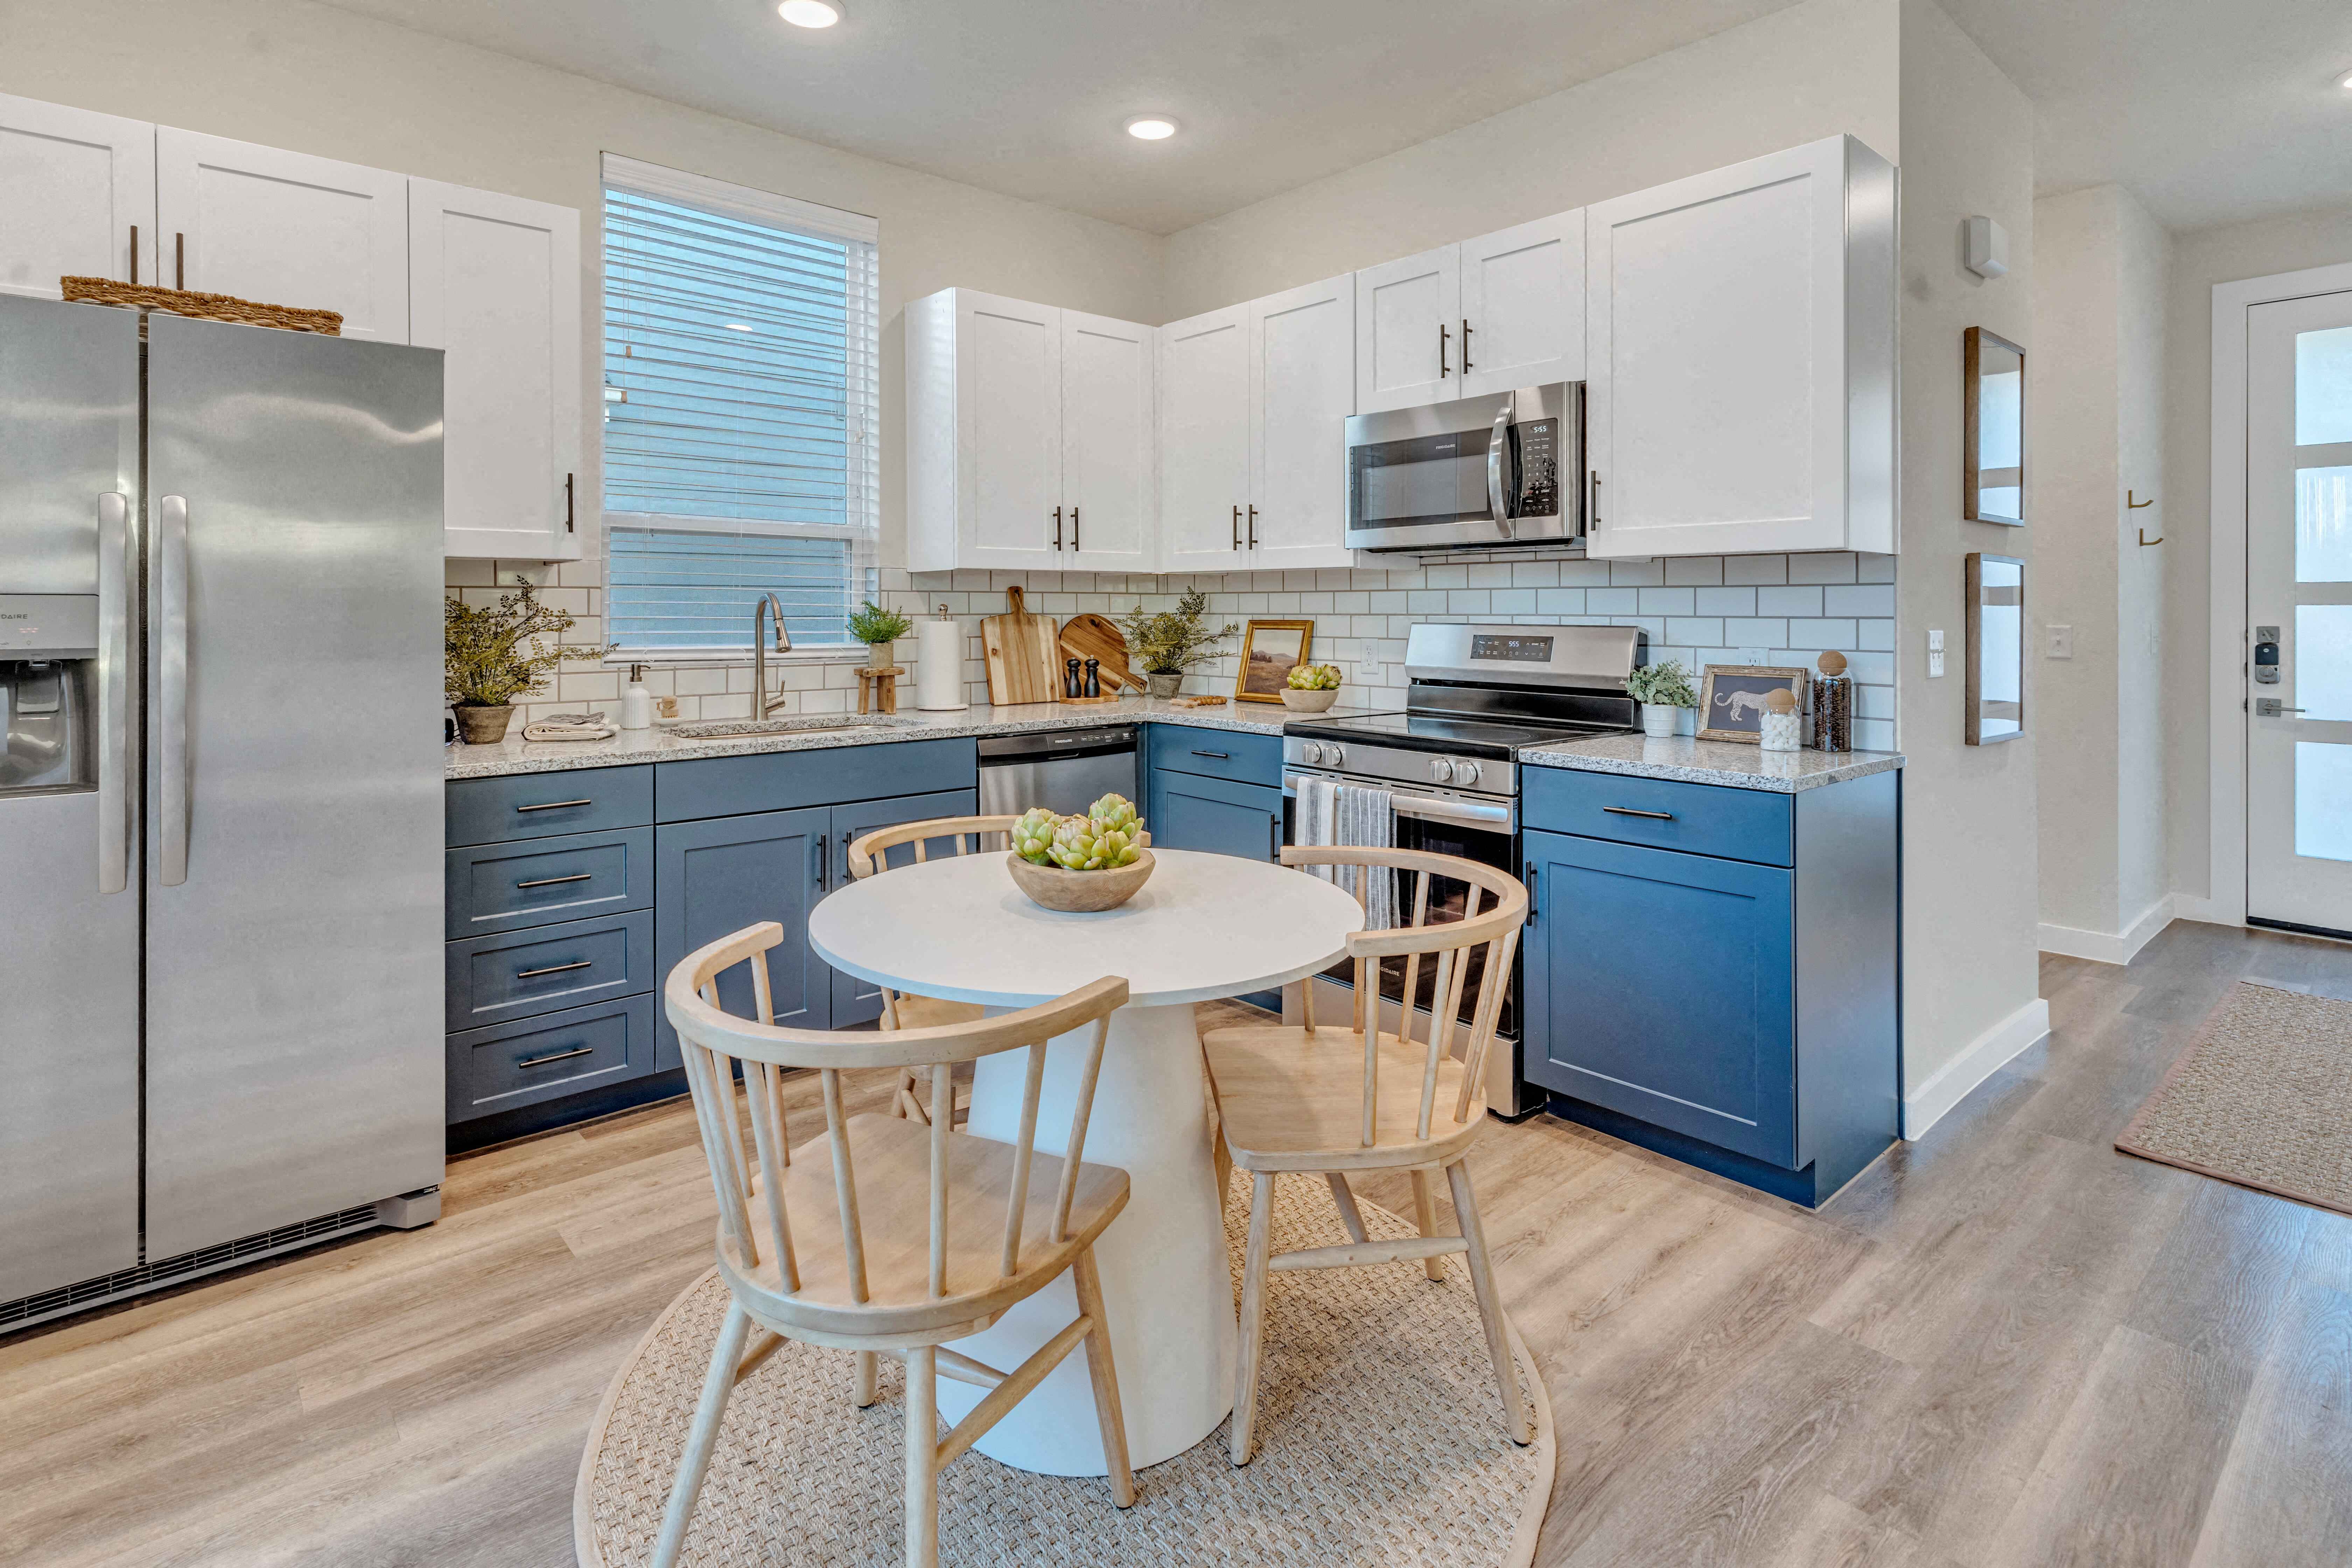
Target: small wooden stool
[{"x": 878, "y": 689}]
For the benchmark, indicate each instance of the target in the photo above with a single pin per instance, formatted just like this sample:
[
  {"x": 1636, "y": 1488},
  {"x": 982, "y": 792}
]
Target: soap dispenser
[{"x": 637, "y": 702}]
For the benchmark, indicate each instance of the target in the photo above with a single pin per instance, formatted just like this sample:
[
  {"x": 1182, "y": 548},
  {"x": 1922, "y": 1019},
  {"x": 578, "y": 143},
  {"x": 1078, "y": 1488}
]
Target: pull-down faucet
[{"x": 760, "y": 704}]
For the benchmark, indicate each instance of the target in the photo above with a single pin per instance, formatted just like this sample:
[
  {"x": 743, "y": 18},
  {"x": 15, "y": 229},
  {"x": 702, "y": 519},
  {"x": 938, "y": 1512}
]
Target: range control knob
[
  {"x": 1310, "y": 752},
  {"x": 1441, "y": 770},
  {"x": 1336, "y": 757},
  {"x": 1465, "y": 773}
]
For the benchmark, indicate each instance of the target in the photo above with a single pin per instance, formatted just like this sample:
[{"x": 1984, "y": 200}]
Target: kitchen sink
[{"x": 805, "y": 724}]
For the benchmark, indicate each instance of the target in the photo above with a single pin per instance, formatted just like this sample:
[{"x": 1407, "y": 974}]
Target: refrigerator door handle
[
  {"x": 171, "y": 672},
  {"x": 116, "y": 572}
]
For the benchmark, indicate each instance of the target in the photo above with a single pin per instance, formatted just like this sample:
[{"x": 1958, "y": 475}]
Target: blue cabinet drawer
[
  {"x": 548, "y": 1057},
  {"x": 538, "y": 881},
  {"x": 1698, "y": 819},
  {"x": 546, "y": 969},
  {"x": 1217, "y": 753},
  {"x": 783, "y": 781},
  {"x": 540, "y": 805}
]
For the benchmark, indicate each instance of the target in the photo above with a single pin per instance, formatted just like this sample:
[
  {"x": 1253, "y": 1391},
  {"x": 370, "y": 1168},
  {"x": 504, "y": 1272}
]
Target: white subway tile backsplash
[
  {"x": 1636, "y": 573},
  {"x": 1869, "y": 599},
  {"x": 1873, "y": 568},
  {"x": 1754, "y": 633},
  {"x": 1667, "y": 601},
  {"x": 1724, "y": 601},
  {"x": 1695, "y": 571},
  {"x": 1787, "y": 600},
  {"x": 1612, "y": 601},
  {"x": 1559, "y": 601},
  {"x": 1837, "y": 633},
  {"x": 1755, "y": 569},
  {"x": 1830, "y": 566}
]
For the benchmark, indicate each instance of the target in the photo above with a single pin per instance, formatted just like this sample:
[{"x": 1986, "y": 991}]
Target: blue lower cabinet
[
  {"x": 1216, "y": 816},
  {"x": 856, "y": 1001},
  {"x": 715, "y": 876},
  {"x": 1667, "y": 984},
  {"x": 509, "y": 1066},
  {"x": 546, "y": 969}
]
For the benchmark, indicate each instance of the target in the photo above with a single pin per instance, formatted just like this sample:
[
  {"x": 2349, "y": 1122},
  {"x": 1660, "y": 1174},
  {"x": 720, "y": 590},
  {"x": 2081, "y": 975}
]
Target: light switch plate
[
  {"x": 1935, "y": 641},
  {"x": 1935, "y": 665},
  {"x": 2061, "y": 641}
]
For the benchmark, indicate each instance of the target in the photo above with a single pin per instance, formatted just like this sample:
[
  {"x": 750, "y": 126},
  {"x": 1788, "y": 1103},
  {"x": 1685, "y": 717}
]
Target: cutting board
[
  {"x": 1022, "y": 663},
  {"x": 1096, "y": 638}
]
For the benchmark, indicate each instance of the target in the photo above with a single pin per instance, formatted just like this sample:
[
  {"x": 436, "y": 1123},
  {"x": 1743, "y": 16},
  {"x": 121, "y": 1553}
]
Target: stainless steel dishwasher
[{"x": 1062, "y": 769}]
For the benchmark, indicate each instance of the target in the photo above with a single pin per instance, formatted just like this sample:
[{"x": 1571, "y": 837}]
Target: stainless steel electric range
[{"x": 1475, "y": 697}]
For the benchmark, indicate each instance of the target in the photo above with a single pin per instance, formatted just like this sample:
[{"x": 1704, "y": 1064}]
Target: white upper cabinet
[
  {"x": 1740, "y": 370},
  {"x": 1110, "y": 478},
  {"x": 1408, "y": 313},
  {"x": 1204, "y": 441},
  {"x": 1008, "y": 386},
  {"x": 1302, "y": 389},
  {"x": 1523, "y": 306},
  {"x": 284, "y": 228},
  {"x": 75, "y": 189},
  {"x": 494, "y": 281}
]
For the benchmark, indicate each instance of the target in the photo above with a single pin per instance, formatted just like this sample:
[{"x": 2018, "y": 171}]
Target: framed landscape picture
[
  {"x": 1270, "y": 651},
  {"x": 1731, "y": 702}
]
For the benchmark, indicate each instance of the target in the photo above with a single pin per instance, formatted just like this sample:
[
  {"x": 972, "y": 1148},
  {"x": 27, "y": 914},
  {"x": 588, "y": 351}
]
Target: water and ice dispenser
[{"x": 48, "y": 690}]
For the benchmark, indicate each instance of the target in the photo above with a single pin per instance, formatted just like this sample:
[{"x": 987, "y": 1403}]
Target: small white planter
[{"x": 1659, "y": 718}]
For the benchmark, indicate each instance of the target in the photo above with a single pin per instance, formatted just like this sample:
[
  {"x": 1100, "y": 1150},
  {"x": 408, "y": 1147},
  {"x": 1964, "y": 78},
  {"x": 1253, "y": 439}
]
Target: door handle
[
  {"x": 116, "y": 572},
  {"x": 556, "y": 1057},
  {"x": 1237, "y": 528},
  {"x": 1532, "y": 900},
  {"x": 554, "y": 969},
  {"x": 179, "y": 261},
  {"x": 551, "y": 881},
  {"x": 1074, "y": 528},
  {"x": 134, "y": 253},
  {"x": 1252, "y": 528},
  {"x": 1465, "y": 345},
  {"x": 172, "y": 670},
  {"x": 1442, "y": 339},
  {"x": 1273, "y": 837},
  {"x": 1594, "y": 522},
  {"x": 1497, "y": 501},
  {"x": 1629, "y": 811},
  {"x": 567, "y": 503},
  {"x": 824, "y": 862},
  {"x": 1057, "y": 528}
]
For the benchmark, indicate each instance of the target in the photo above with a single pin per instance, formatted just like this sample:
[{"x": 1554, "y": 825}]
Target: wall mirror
[
  {"x": 1996, "y": 651},
  {"x": 1992, "y": 482}
]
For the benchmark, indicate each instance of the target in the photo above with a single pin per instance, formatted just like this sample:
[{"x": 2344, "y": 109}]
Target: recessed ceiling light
[
  {"x": 811, "y": 13},
  {"x": 1151, "y": 128}
]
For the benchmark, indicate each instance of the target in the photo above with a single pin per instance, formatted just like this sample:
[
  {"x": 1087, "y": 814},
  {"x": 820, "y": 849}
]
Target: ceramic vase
[
  {"x": 1164, "y": 685},
  {"x": 1659, "y": 718},
  {"x": 484, "y": 726}
]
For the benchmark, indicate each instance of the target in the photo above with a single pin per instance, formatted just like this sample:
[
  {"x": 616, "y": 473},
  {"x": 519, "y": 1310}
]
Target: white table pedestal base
[{"x": 1167, "y": 1283}]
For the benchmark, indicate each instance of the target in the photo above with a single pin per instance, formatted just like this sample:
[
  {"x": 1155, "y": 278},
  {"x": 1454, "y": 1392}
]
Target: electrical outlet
[
  {"x": 1753, "y": 656},
  {"x": 2061, "y": 641}
]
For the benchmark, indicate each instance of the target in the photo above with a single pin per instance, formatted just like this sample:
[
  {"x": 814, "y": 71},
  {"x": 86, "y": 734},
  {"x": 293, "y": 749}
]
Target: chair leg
[
  {"x": 1088, "y": 1281},
  {"x": 1253, "y": 1325},
  {"x": 866, "y": 1381},
  {"x": 1224, "y": 1160},
  {"x": 1490, "y": 1304},
  {"x": 1424, "y": 1214},
  {"x": 922, "y": 1457},
  {"x": 1345, "y": 1196},
  {"x": 702, "y": 1437}
]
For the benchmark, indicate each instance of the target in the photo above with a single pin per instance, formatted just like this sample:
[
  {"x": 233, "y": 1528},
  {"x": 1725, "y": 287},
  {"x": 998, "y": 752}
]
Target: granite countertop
[
  {"x": 516, "y": 756},
  {"x": 1724, "y": 763}
]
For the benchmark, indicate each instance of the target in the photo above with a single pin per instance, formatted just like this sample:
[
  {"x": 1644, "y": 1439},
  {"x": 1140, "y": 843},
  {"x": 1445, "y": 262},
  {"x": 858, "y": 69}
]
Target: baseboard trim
[
  {"x": 2205, "y": 911},
  {"x": 1985, "y": 1055},
  {"x": 2121, "y": 948}
]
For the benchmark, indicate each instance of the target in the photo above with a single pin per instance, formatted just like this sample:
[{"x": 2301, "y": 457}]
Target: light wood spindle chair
[
  {"x": 1333, "y": 1101},
  {"x": 871, "y": 854},
  {"x": 885, "y": 1237}
]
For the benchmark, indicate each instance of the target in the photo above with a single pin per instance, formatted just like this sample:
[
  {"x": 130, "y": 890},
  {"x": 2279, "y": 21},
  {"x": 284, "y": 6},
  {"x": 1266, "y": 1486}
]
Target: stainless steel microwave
[{"x": 1504, "y": 469}]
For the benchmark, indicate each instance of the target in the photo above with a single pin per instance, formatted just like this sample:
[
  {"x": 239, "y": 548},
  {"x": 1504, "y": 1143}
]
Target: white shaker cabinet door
[
  {"x": 1109, "y": 479},
  {"x": 1408, "y": 319},
  {"x": 284, "y": 228},
  {"x": 1302, "y": 389},
  {"x": 75, "y": 189},
  {"x": 1740, "y": 359},
  {"x": 494, "y": 281},
  {"x": 1204, "y": 441},
  {"x": 1008, "y": 400},
  {"x": 1523, "y": 306}
]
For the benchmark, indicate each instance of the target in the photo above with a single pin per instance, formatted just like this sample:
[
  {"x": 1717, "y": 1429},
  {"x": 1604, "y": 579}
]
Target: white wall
[
  {"x": 1971, "y": 981},
  {"x": 1817, "y": 69},
  {"x": 2200, "y": 259}
]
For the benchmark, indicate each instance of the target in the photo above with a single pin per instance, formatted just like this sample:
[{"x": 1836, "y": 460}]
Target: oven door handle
[
  {"x": 1498, "y": 817},
  {"x": 1498, "y": 502}
]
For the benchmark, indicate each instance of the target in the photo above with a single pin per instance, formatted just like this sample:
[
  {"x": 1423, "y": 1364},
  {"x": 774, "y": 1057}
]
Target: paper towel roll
[{"x": 938, "y": 665}]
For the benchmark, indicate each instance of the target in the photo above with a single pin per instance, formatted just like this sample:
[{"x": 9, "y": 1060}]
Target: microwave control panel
[{"x": 1538, "y": 463}]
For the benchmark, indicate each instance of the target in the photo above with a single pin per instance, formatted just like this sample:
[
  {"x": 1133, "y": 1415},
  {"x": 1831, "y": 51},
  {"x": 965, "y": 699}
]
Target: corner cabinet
[
  {"x": 1740, "y": 359},
  {"x": 1030, "y": 438}
]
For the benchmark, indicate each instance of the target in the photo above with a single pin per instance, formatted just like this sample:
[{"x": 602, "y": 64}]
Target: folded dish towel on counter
[
  {"x": 569, "y": 727},
  {"x": 1351, "y": 817}
]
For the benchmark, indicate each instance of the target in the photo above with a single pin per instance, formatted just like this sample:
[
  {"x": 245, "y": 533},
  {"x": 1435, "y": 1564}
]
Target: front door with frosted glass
[{"x": 2299, "y": 614}]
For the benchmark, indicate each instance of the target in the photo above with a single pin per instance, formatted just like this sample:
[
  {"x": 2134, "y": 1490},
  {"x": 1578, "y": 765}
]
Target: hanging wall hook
[{"x": 2134, "y": 505}]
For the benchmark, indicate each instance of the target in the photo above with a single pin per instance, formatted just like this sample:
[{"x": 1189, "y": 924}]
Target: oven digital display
[{"x": 1516, "y": 649}]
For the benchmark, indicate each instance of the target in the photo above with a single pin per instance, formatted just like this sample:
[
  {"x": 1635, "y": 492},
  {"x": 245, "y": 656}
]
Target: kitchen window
[{"x": 740, "y": 341}]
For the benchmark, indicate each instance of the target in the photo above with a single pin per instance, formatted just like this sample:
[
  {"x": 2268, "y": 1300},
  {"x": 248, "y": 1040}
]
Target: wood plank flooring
[{"x": 2006, "y": 1345}]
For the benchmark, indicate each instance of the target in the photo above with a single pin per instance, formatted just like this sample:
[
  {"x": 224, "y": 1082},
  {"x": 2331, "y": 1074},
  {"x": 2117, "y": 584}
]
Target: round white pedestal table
[{"x": 1205, "y": 926}]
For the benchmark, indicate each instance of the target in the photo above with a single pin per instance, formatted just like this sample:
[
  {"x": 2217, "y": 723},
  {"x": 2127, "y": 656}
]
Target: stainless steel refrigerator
[{"x": 220, "y": 796}]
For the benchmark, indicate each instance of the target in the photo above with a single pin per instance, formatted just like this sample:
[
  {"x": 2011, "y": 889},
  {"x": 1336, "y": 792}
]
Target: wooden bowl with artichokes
[{"x": 1081, "y": 865}]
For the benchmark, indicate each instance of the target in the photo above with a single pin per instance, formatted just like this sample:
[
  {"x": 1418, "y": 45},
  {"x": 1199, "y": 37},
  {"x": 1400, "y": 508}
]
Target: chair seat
[
  {"x": 1287, "y": 1103},
  {"x": 929, "y": 1011},
  {"x": 891, "y": 1159}
]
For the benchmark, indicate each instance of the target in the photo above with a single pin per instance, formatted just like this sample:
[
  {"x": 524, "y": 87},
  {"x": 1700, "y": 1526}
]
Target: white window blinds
[{"x": 741, "y": 335}]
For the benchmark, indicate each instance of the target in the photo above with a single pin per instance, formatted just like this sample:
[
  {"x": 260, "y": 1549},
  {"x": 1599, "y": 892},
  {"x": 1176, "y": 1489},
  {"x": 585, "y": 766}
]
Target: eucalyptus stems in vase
[{"x": 1170, "y": 642}]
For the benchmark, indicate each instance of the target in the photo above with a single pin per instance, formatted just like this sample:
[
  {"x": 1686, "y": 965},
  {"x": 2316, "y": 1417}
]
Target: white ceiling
[
  {"x": 1028, "y": 97},
  {"x": 2213, "y": 111}
]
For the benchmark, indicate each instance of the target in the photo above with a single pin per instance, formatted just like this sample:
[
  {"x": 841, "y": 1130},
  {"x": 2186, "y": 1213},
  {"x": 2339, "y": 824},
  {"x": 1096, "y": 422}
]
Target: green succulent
[
  {"x": 1033, "y": 836},
  {"x": 1314, "y": 677},
  {"x": 1082, "y": 845},
  {"x": 1115, "y": 811}
]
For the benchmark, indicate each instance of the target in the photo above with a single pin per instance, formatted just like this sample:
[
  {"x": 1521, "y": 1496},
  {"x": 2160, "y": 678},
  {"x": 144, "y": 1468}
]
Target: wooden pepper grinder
[{"x": 1834, "y": 705}]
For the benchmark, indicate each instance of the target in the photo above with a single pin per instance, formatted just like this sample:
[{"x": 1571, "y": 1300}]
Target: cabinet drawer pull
[
  {"x": 1629, "y": 811},
  {"x": 1221, "y": 756},
  {"x": 554, "y": 969},
  {"x": 550, "y": 881},
  {"x": 557, "y": 1057},
  {"x": 554, "y": 804}
]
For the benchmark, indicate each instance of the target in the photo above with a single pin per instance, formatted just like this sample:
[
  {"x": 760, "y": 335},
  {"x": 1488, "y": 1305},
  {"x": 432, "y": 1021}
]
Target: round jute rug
[{"x": 1379, "y": 1442}]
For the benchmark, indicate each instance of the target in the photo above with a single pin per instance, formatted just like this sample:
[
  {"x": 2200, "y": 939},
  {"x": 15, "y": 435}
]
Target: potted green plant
[
  {"x": 1311, "y": 688},
  {"x": 878, "y": 629},
  {"x": 1170, "y": 642},
  {"x": 1664, "y": 690},
  {"x": 493, "y": 654}
]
